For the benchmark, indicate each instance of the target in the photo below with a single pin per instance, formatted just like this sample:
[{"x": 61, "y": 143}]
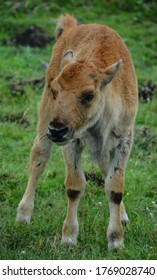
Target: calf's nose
[{"x": 57, "y": 131}]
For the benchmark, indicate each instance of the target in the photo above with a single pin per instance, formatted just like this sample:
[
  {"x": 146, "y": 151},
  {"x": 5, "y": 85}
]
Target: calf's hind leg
[
  {"x": 114, "y": 188},
  {"x": 75, "y": 185},
  {"x": 38, "y": 158}
]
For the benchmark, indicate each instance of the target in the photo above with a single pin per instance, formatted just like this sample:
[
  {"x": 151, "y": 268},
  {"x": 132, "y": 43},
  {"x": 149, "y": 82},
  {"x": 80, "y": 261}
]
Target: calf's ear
[
  {"x": 67, "y": 58},
  {"x": 110, "y": 73}
]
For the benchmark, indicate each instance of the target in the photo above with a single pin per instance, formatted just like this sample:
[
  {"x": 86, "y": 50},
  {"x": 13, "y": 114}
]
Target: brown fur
[{"x": 89, "y": 99}]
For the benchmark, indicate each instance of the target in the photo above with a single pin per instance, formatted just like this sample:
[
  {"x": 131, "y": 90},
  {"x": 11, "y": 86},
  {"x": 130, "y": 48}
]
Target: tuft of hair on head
[{"x": 65, "y": 23}]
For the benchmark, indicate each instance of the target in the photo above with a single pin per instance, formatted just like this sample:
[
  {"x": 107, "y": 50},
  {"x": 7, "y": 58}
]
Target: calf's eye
[{"x": 86, "y": 98}]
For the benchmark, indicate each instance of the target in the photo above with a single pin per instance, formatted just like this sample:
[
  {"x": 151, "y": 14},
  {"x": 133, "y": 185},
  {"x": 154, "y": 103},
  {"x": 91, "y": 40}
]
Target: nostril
[
  {"x": 53, "y": 132},
  {"x": 57, "y": 130},
  {"x": 57, "y": 125}
]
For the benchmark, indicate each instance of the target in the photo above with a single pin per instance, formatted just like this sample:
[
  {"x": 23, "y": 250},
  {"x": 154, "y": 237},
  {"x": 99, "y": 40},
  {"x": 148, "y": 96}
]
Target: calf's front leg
[
  {"x": 75, "y": 185},
  {"x": 38, "y": 158}
]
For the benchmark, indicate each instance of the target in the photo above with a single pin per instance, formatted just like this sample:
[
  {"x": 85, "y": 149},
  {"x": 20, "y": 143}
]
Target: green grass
[{"x": 18, "y": 118}]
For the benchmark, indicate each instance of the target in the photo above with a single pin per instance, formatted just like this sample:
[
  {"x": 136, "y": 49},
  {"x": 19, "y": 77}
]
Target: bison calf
[{"x": 89, "y": 99}]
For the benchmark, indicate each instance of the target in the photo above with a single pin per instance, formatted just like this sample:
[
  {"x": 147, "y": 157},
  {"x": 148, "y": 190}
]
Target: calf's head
[{"x": 77, "y": 97}]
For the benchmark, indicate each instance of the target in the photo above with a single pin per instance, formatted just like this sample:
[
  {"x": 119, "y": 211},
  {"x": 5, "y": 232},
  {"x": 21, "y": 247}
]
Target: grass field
[{"x": 21, "y": 82}]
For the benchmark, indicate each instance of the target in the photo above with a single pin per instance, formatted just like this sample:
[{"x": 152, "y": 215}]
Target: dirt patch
[
  {"x": 144, "y": 139},
  {"x": 8, "y": 183},
  {"x": 9, "y": 180},
  {"x": 33, "y": 36},
  {"x": 4, "y": 177},
  {"x": 18, "y": 118},
  {"x": 147, "y": 91},
  {"x": 91, "y": 177},
  {"x": 18, "y": 88}
]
